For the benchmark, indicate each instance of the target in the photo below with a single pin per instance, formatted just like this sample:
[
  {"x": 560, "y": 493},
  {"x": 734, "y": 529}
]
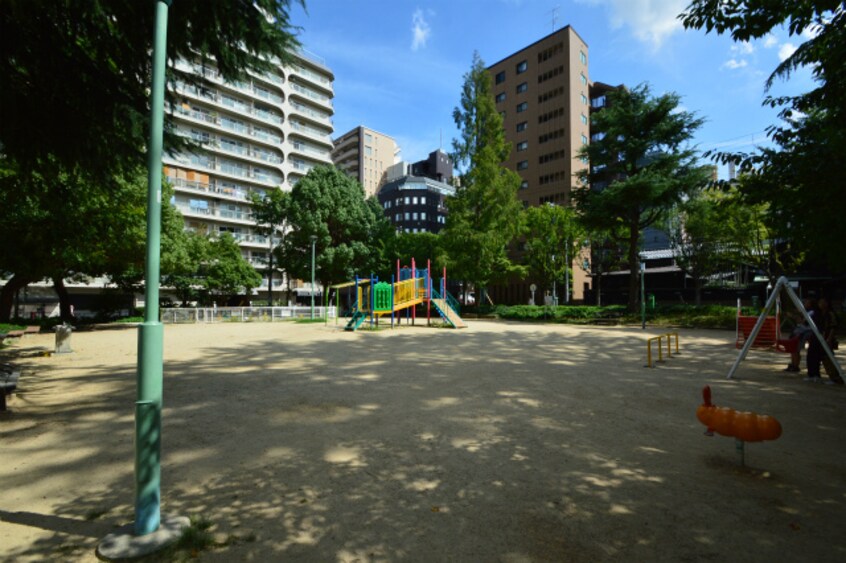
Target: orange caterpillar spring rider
[{"x": 742, "y": 426}]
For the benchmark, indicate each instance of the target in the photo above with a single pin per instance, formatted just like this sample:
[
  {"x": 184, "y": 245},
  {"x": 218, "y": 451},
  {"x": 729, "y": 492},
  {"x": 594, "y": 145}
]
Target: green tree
[
  {"x": 483, "y": 214},
  {"x": 607, "y": 254},
  {"x": 801, "y": 176},
  {"x": 328, "y": 204},
  {"x": 701, "y": 237},
  {"x": 77, "y": 72},
  {"x": 553, "y": 238},
  {"x": 420, "y": 246},
  {"x": 639, "y": 169},
  {"x": 182, "y": 260},
  {"x": 225, "y": 271},
  {"x": 270, "y": 214},
  {"x": 103, "y": 236}
]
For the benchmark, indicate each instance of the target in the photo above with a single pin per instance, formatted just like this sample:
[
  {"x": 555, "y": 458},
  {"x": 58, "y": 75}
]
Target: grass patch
[
  {"x": 683, "y": 316},
  {"x": 130, "y": 320},
  {"x": 7, "y": 327}
]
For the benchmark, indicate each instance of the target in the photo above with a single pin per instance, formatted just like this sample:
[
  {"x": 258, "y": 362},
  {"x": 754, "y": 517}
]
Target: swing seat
[
  {"x": 788, "y": 345},
  {"x": 767, "y": 336}
]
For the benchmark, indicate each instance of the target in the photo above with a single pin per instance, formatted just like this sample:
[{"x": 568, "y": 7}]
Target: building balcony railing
[
  {"x": 311, "y": 93},
  {"x": 212, "y": 211},
  {"x": 304, "y": 110},
  {"x": 310, "y": 132},
  {"x": 309, "y": 149}
]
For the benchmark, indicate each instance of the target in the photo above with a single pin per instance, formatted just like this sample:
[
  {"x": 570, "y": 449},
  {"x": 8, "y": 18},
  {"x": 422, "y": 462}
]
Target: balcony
[
  {"x": 310, "y": 113},
  {"x": 313, "y": 77},
  {"x": 312, "y": 133}
]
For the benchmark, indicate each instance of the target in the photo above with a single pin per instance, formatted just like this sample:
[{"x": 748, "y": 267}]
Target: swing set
[{"x": 763, "y": 331}]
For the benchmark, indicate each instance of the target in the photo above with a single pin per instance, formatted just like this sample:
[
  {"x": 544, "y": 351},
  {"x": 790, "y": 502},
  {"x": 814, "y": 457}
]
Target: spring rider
[{"x": 742, "y": 426}]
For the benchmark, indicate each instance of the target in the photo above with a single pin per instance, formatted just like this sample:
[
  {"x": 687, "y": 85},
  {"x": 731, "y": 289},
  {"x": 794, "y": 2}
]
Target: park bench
[
  {"x": 610, "y": 318},
  {"x": 32, "y": 329},
  {"x": 8, "y": 382}
]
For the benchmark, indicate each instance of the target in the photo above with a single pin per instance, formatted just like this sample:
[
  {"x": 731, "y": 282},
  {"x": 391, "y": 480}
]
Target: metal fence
[{"x": 242, "y": 314}]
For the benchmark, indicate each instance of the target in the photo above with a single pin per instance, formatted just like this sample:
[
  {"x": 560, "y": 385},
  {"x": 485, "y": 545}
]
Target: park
[{"x": 501, "y": 442}]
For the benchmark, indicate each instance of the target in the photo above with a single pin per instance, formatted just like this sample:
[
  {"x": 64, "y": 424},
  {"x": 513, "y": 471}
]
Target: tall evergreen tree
[
  {"x": 639, "y": 168},
  {"x": 484, "y": 213}
]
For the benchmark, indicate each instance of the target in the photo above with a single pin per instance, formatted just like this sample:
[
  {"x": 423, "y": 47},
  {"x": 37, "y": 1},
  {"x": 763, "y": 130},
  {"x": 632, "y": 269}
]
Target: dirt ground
[{"x": 502, "y": 442}]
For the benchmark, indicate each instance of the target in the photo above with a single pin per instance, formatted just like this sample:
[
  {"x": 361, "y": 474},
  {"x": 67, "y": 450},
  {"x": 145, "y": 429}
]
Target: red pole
[
  {"x": 414, "y": 289},
  {"x": 428, "y": 291}
]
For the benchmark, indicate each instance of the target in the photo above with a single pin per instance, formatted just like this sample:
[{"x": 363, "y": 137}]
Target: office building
[
  {"x": 543, "y": 95},
  {"x": 416, "y": 204},
  {"x": 260, "y": 134},
  {"x": 365, "y": 155}
]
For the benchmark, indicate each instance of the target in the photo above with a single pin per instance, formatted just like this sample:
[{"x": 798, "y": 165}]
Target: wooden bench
[
  {"x": 607, "y": 319},
  {"x": 8, "y": 382},
  {"x": 32, "y": 329}
]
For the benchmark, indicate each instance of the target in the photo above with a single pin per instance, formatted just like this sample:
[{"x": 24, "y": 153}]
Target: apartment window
[
  {"x": 584, "y": 99},
  {"x": 423, "y": 200},
  {"x": 584, "y": 119},
  {"x": 583, "y": 79},
  {"x": 423, "y": 215},
  {"x": 407, "y": 200},
  {"x": 584, "y": 140},
  {"x": 397, "y": 217},
  {"x": 368, "y": 150},
  {"x": 522, "y": 146},
  {"x": 500, "y": 97},
  {"x": 368, "y": 138},
  {"x": 500, "y": 77},
  {"x": 522, "y": 165},
  {"x": 407, "y": 215},
  {"x": 524, "y": 185},
  {"x": 414, "y": 200},
  {"x": 522, "y": 67},
  {"x": 521, "y": 126},
  {"x": 522, "y": 87},
  {"x": 522, "y": 107},
  {"x": 583, "y": 57},
  {"x": 414, "y": 216}
]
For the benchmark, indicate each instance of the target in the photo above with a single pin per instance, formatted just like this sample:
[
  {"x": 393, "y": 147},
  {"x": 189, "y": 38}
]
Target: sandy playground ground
[{"x": 502, "y": 442}]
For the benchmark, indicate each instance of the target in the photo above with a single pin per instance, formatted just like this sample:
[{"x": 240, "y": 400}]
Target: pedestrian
[
  {"x": 826, "y": 322},
  {"x": 800, "y": 334}
]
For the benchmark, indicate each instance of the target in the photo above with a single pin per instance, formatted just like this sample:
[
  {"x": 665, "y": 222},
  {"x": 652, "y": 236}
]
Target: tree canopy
[
  {"x": 350, "y": 231},
  {"x": 553, "y": 238},
  {"x": 270, "y": 214},
  {"x": 801, "y": 175},
  {"x": 640, "y": 167},
  {"x": 77, "y": 72},
  {"x": 484, "y": 213}
]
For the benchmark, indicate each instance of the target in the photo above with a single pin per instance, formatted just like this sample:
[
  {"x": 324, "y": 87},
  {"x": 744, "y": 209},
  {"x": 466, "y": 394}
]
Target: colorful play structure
[
  {"x": 742, "y": 426},
  {"x": 763, "y": 332},
  {"x": 411, "y": 286}
]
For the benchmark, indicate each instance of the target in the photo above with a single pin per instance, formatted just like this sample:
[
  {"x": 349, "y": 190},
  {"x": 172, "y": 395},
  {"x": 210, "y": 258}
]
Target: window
[
  {"x": 522, "y": 146},
  {"x": 368, "y": 150},
  {"x": 522, "y": 87},
  {"x": 414, "y": 200},
  {"x": 522, "y": 67},
  {"x": 407, "y": 200},
  {"x": 500, "y": 77},
  {"x": 584, "y": 119},
  {"x": 522, "y": 165},
  {"x": 500, "y": 97},
  {"x": 521, "y": 126},
  {"x": 397, "y": 217},
  {"x": 583, "y": 79},
  {"x": 423, "y": 215},
  {"x": 423, "y": 200},
  {"x": 502, "y": 114},
  {"x": 368, "y": 138},
  {"x": 584, "y": 140},
  {"x": 524, "y": 185},
  {"x": 414, "y": 216},
  {"x": 584, "y": 99},
  {"x": 407, "y": 215},
  {"x": 522, "y": 107},
  {"x": 583, "y": 57}
]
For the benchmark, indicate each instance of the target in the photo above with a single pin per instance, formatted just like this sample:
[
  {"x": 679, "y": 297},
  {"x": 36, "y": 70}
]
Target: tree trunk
[
  {"x": 65, "y": 312},
  {"x": 7, "y": 296},
  {"x": 697, "y": 289},
  {"x": 634, "y": 270}
]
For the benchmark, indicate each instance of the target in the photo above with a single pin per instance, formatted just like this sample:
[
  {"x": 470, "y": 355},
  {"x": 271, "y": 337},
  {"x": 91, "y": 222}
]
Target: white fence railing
[{"x": 242, "y": 314}]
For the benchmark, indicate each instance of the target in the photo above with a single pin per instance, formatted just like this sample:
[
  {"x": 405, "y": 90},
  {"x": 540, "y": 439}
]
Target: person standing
[{"x": 826, "y": 323}]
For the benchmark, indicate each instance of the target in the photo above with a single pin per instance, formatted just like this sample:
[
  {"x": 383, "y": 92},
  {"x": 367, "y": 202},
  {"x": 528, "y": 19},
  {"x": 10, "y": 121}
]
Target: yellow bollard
[{"x": 649, "y": 349}]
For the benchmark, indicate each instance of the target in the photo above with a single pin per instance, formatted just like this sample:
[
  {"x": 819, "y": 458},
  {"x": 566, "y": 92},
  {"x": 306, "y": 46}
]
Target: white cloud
[
  {"x": 770, "y": 41},
  {"x": 420, "y": 30},
  {"x": 786, "y": 50},
  {"x": 743, "y": 48},
  {"x": 811, "y": 31},
  {"x": 734, "y": 63},
  {"x": 650, "y": 21}
]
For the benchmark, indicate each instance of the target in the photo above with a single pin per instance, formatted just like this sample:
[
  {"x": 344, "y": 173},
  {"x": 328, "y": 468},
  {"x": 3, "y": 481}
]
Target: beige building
[
  {"x": 543, "y": 94},
  {"x": 263, "y": 133},
  {"x": 366, "y": 155}
]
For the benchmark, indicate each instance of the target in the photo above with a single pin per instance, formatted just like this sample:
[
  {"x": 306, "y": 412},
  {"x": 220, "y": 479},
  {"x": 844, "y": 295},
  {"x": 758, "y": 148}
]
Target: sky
[{"x": 399, "y": 65}]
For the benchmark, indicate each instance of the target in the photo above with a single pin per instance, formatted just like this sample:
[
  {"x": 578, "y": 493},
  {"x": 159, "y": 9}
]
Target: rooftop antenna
[{"x": 554, "y": 13}]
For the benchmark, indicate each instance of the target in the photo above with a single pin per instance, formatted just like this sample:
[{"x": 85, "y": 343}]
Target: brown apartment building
[
  {"x": 365, "y": 155},
  {"x": 543, "y": 93}
]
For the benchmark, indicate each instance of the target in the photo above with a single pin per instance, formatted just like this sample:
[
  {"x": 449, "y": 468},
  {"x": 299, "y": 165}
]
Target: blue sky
[{"x": 399, "y": 64}]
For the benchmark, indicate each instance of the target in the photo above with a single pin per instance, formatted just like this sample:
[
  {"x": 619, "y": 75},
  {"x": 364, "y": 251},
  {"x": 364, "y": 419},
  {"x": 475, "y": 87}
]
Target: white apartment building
[{"x": 263, "y": 133}]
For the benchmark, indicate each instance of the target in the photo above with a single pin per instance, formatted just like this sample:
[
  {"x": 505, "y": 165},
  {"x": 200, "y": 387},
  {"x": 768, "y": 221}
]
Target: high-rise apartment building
[
  {"x": 365, "y": 155},
  {"x": 543, "y": 94},
  {"x": 263, "y": 133}
]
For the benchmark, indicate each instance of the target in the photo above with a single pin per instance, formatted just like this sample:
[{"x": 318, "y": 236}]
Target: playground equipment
[
  {"x": 409, "y": 288},
  {"x": 658, "y": 338},
  {"x": 772, "y": 340},
  {"x": 740, "y": 425}
]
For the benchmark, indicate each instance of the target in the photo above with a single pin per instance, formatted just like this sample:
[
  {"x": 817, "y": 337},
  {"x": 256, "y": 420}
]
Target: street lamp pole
[
  {"x": 313, "y": 241},
  {"x": 148, "y": 404}
]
